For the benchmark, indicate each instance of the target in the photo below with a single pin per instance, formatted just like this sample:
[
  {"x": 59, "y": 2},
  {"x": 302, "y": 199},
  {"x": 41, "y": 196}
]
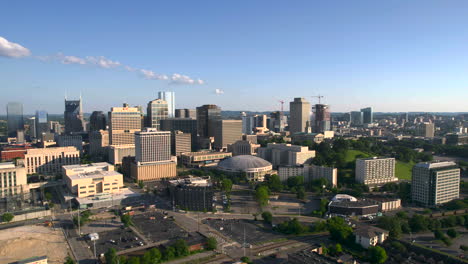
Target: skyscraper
[
  {"x": 41, "y": 125},
  {"x": 97, "y": 121},
  {"x": 73, "y": 116},
  {"x": 205, "y": 115},
  {"x": 169, "y": 97},
  {"x": 299, "y": 111},
  {"x": 14, "y": 118},
  {"x": 278, "y": 121},
  {"x": 186, "y": 113},
  {"x": 226, "y": 132},
  {"x": 434, "y": 183},
  {"x": 157, "y": 110},
  {"x": 321, "y": 118},
  {"x": 123, "y": 123},
  {"x": 152, "y": 145},
  {"x": 367, "y": 115},
  {"x": 356, "y": 118}
]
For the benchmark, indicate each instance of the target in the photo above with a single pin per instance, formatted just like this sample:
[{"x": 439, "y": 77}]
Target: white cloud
[
  {"x": 150, "y": 75},
  {"x": 103, "y": 62},
  {"x": 12, "y": 50},
  {"x": 219, "y": 91},
  {"x": 72, "y": 60},
  {"x": 184, "y": 79}
]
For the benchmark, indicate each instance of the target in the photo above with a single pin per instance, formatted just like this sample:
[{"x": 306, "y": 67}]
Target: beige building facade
[
  {"x": 49, "y": 161},
  {"x": 117, "y": 153},
  {"x": 226, "y": 132},
  {"x": 123, "y": 123},
  {"x": 13, "y": 179},
  {"x": 286, "y": 154},
  {"x": 154, "y": 171},
  {"x": 98, "y": 143},
  {"x": 91, "y": 179},
  {"x": 375, "y": 171}
]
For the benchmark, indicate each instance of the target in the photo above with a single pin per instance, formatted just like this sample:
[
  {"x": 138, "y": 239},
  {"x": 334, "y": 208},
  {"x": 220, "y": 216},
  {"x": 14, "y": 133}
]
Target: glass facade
[{"x": 14, "y": 118}]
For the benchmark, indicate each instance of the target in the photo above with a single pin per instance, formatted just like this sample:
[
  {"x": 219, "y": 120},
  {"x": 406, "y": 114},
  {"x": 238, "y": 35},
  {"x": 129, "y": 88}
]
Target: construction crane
[
  {"x": 318, "y": 96},
  {"x": 282, "y": 103}
]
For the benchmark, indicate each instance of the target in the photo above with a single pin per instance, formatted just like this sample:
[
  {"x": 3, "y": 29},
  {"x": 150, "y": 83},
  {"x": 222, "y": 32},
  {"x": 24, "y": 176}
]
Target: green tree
[
  {"x": 181, "y": 248},
  {"x": 48, "y": 196},
  {"x": 126, "y": 220},
  {"x": 226, "y": 185},
  {"x": 155, "y": 255},
  {"x": 7, "y": 217},
  {"x": 111, "y": 256},
  {"x": 245, "y": 259},
  {"x": 418, "y": 223},
  {"x": 438, "y": 234},
  {"x": 267, "y": 217},
  {"x": 211, "y": 243},
  {"x": 338, "y": 229},
  {"x": 336, "y": 249},
  {"x": 133, "y": 260},
  {"x": 274, "y": 183},
  {"x": 392, "y": 224},
  {"x": 169, "y": 253},
  {"x": 377, "y": 255},
  {"x": 69, "y": 260},
  {"x": 141, "y": 184},
  {"x": 452, "y": 233},
  {"x": 300, "y": 193},
  {"x": 261, "y": 195}
]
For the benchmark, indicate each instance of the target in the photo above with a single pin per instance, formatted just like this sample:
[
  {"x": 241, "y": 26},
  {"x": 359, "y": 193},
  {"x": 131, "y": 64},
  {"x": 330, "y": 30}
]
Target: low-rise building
[
  {"x": 92, "y": 179},
  {"x": 286, "y": 154},
  {"x": 202, "y": 159},
  {"x": 118, "y": 152},
  {"x": 387, "y": 204},
  {"x": 49, "y": 161},
  {"x": 192, "y": 193},
  {"x": 33, "y": 260},
  {"x": 369, "y": 236},
  {"x": 360, "y": 208},
  {"x": 301, "y": 137},
  {"x": 252, "y": 167},
  {"x": 154, "y": 171},
  {"x": 243, "y": 147}
]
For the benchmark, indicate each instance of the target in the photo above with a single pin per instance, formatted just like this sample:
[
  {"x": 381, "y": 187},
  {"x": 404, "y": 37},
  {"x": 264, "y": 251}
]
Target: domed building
[{"x": 254, "y": 168}]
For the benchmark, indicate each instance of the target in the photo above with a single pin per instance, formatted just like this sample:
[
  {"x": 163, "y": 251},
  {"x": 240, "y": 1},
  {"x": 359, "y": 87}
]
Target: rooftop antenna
[{"x": 282, "y": 103}]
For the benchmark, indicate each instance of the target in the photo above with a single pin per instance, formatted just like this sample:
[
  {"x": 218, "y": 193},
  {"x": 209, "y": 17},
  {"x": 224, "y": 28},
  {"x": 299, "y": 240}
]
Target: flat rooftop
[
  {"x": 436, "y": 164},
  {"x": 356, "y": 204},
  {"x": 205, "y": 153},
  {"x": 76, "y": 167},
  {"x": 7, "y": 165},
  {"x": 192, "y": 181},
  {"x": 94, "y": 174}
]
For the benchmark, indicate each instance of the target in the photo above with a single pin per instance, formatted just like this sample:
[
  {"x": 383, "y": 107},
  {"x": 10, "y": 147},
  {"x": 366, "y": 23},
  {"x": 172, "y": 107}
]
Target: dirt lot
[{"x": 28, "y": 241}]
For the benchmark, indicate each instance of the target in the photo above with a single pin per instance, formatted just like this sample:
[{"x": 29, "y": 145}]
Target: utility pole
[
  {"x": 244, "y": 241},
  {"x": 79, "y": 228}
]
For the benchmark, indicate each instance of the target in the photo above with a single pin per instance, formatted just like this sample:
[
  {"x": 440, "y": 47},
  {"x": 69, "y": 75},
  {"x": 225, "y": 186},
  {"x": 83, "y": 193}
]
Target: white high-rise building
[
  {"x": 434, "y": 183},
  {"x": 152, "y": 145},
  {"x": 375, "y": 171},
  {"x": 169, "y": 97}
]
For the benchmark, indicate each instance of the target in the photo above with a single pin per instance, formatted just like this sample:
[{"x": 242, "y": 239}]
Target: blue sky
[{"x": 391, "y": 55}]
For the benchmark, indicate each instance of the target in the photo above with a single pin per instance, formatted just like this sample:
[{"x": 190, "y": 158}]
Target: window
[
  {"x": 82, "y": 192},
  {"x": 82, "y": 187}
]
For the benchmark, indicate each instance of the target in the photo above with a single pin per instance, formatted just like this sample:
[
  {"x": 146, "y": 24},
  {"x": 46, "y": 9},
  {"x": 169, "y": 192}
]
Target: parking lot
[
  {"x": 119, "y": 239},
  {"x": 234, "y": 228},
  {"x": 155, "y": 226}
]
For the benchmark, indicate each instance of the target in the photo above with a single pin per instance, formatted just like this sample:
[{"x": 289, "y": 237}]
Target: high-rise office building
[
  {"x": 321, "y": 118},
  {"x": 123, "y": 123},
  {"x": 226, "y": 132},
  {"x": 375, "y": 171},
  {"x": 425, "y": 130},
  {"x": 206, "y": 114},
  {"x": 299, "y": 111},
  {"x": 157, "y": 110},
  {"x": 180, "y": 142},
  {"x": 153, "y": 160},
  {"x": 70, "y": 141},
  {"x": 32, "y": 127},
  {"x": 41, "y": 124},
  {"x": 14, "y": 118},
  {"x": 367, "y": 115},
  {"x": 73, "y": 115},
  {"x": 55, "y": 127},
  {"x": 357, "y": 118},
  {"x": 434, "y": 183},
  {"x": 169, "y": 97},
  {"x": 152, "y": 145},
  {"x": 98, "y": 141},
  {"x": 186, "y": 125},
  {"x": 247, "y": 124},
  {"x": 186, "y": 113},
  {"x": 97, "y": 121},
  {"x": 278, "y": 121}
]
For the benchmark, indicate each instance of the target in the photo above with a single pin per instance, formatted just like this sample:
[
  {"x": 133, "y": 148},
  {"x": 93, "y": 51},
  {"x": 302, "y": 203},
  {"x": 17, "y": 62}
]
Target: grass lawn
[
  {"x": 351, "y": 155},
  {"x": 403, "y": 170}
]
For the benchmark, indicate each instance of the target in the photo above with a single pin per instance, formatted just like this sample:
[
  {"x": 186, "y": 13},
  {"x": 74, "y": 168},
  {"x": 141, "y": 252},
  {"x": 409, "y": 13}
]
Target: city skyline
[{"x": 405, "y": 53}]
